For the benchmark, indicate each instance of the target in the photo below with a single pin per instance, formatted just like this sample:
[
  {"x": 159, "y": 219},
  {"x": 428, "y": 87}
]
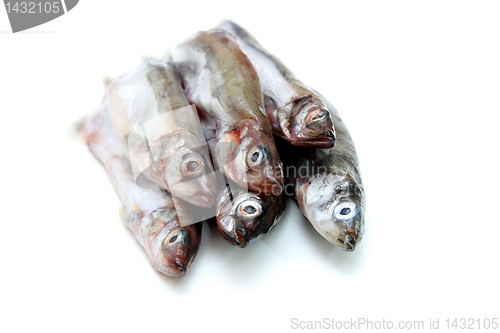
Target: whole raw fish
[
  {"x": 148, "y": 212},
  {"x": 328, "y": 188},
  {"x": 161, "y": 132},
  {"x": 297, "y": 113},
  {"x": 221, "y": 81},
  {"x": 243, "y": 215}
]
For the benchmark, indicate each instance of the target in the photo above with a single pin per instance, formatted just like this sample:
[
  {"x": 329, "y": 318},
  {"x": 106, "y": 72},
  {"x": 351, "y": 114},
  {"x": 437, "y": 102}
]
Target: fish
[
  {"x": 297, "y": 113},
  {"x": 149, "y": 212},
  {"x": 243, "y": 215},
  {"x": 161, "y": 132},
  {"x": 220, "y": 80},
  {"x": 328, "y": 188}
]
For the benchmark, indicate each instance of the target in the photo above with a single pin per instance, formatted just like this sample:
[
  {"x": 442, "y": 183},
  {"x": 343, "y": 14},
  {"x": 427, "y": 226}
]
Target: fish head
[
  {"x": 256, "y": 164},
  {"x": 243, "y": 216},
  {"x": 190, "y": 177},
  {"x": 310, "y": 124},
  {"x": 334, "y": 204},
  {"x": 179, "y": 249},
  {"x": 171, "y": 247}
]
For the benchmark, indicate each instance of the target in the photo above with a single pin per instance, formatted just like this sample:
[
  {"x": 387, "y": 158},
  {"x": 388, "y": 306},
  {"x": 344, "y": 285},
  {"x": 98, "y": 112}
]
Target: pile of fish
[{"x": 222, "y": 130}]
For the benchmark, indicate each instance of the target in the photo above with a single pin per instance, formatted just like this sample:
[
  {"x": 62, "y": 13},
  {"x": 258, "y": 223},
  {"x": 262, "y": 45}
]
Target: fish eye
[
  {"x": 175, "y": 236},
  {"x": 191, "y": 166},
  {"x": 172, "y": 238},
  {"x": 257, "y": 155},
  {"x": 316, "y": 115},
  {"x": 249, "y": 208},
  {"x": 345, "y": 210}
]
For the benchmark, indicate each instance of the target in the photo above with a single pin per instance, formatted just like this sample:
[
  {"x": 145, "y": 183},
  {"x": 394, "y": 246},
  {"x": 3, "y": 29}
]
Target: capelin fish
[
  {"x": 296, "y": 112},
  {"x": 161, "y": 132},
  {"x": 149, "y": 212},
  {"x": 328, "y": 188},
  {"x": 221, "y": 81},
  {"x": 243, "y": 216}
]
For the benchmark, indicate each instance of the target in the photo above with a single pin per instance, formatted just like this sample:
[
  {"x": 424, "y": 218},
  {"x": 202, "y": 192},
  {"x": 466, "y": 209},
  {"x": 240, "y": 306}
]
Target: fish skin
[
  {"x": 291, "y": 106},
  {"x": 160, "y": 132},
  {"x": 218, "y": 78},
  {"x": 328, "y": 187},
  {"x": 149, "y": 212}
]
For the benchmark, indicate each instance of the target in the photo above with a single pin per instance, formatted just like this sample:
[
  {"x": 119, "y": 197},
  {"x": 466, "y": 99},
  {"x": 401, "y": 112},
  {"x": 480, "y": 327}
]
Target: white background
[{"x": 417, "y": 84}]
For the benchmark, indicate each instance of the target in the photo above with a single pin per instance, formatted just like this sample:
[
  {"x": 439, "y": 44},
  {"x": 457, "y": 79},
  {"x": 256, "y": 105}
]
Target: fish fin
[
  {"x": 132, "y": 219},
  {"x": 107, "y": 81},
  {"x": 243, "y": 132},
  {"x": 145, "y": 57},
  {"x": 75, "y": 132},
  {"x": 167, "y": 54},
  {"x": 269, "y": 103},
  {"x": 121, "y": 212}
]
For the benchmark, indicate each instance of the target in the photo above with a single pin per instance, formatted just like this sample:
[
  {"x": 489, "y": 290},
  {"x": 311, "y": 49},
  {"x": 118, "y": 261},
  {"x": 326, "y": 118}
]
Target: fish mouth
[
  {"x": 175, "y": 270},
  {"x": 243, "y": 239},
  {"x": 348, "y": 243},
  {"x": 204, "y": 200},
  {"x": 306, "y": 131},
  {"x": 275, "y": 181},
  {"x": 233, "y": 231},
  {"x": 239, "y": 237},
  {"x": 325, "y": 139}
]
